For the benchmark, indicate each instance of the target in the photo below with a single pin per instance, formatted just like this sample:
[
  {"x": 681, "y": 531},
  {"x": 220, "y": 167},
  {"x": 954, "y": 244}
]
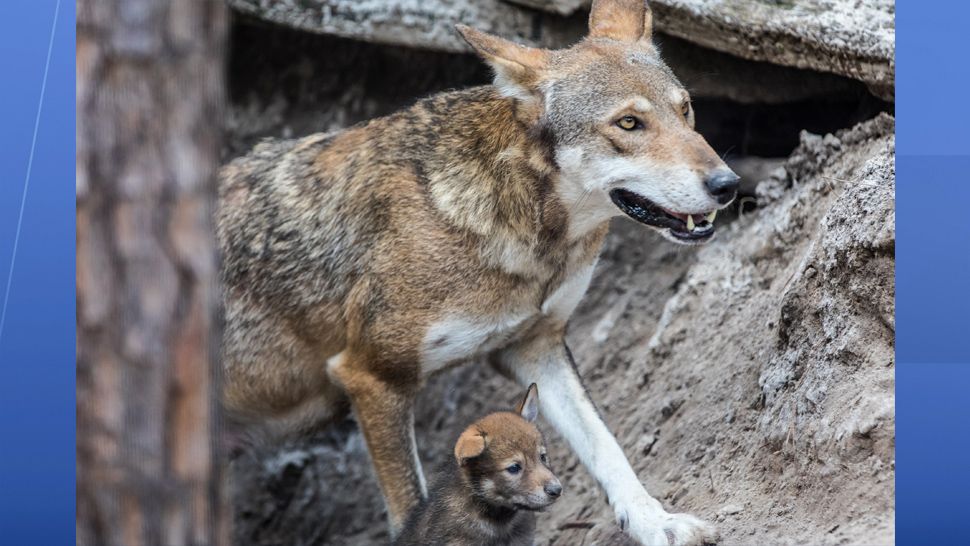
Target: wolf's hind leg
[{"x": 384, "y": 409}]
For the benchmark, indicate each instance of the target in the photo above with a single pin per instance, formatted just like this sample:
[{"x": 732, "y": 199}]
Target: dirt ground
[{"x": 750, "y": 382}]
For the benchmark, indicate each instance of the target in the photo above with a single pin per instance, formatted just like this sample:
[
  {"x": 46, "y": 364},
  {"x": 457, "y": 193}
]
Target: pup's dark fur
[{"x": 490, "y": 494}]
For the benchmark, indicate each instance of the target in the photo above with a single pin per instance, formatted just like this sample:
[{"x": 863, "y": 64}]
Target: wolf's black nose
[
  {"x": 723, "y": 185},
  {"x": 553, "y": 489}
]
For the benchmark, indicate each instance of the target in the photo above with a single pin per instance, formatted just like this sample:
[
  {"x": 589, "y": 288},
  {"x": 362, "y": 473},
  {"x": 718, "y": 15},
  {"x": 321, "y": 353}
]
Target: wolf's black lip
[
  {"x": 643, "y": 210},
  {"x": 692, "y": 236},
  {"x": 647, "y": 212}
]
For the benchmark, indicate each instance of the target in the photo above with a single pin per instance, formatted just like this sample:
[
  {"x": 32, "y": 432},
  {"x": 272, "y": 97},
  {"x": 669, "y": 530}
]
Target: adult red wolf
[{"x": 463, "y": 228}]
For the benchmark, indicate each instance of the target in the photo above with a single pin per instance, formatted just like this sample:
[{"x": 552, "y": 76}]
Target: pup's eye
[
  {"x": 514, "y": 468},
  {"x": 629, "y": 123},
  {"x": 685, "y": 109},
  {"x": 542, "y": 457}
]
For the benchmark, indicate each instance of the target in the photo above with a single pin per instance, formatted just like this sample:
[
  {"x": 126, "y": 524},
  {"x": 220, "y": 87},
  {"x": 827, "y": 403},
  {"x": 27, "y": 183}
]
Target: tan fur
[
  {"x": 357, "y": 262},
  {"x": 470, "y": 444},
  {"x": 612, "y": 20}
]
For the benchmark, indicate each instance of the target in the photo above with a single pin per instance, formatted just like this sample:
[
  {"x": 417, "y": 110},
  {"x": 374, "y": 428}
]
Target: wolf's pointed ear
[
  {"x": 470, "y": 444},
  {"x": 621, "y": 20},
  {"x": 529, "y": 406},
  {"x": 517, "y": 67}
]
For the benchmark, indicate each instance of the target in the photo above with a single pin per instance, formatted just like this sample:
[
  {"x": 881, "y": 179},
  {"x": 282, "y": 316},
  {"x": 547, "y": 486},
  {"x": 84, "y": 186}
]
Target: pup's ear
[
  {"x": 470, "y": 444},
  {"x": 621, "y": 20},
  {"x": 517, "y": 67},
  {"x": 529, "y": 406}
]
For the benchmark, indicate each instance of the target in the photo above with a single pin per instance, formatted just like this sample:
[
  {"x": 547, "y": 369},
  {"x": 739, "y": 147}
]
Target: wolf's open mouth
[{"x": 687, "y": 227}]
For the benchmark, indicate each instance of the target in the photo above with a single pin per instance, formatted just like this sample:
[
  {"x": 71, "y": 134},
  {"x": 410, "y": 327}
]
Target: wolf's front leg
[
  {"x": 547, "y": 362},
  {"x": 384, "y": 410}
]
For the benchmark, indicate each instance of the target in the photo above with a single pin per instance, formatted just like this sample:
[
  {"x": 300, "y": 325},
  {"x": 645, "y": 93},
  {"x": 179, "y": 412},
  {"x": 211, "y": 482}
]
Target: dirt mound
[
  {"x": 750, "y": 382},
  {"x": 764, "y": 397}
]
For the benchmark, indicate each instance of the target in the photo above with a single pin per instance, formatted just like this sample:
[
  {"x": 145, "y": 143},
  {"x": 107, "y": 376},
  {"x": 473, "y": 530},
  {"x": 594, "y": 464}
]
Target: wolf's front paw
[
  {"x": 652, "y": 526},
  {"x": 686, "y": 530}
]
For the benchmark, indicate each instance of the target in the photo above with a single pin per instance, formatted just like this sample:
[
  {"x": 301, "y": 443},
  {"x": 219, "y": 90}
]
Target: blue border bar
[
  {"x": 932, "y": 272},
  {"x": 37, "y": 347}
]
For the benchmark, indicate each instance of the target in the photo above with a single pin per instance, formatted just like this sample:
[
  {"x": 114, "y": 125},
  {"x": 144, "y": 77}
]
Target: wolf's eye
[
  {"x": 542, "y": 457},
  {"x": 629, "y": 123},
  {"x": 685, "y": 109},
  {"x": 514, "y": 468}
]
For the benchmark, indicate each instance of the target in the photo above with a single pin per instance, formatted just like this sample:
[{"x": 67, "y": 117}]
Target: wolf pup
[
  {"x": 491, "y": 495},
  {"x": 464, "y": 228}
]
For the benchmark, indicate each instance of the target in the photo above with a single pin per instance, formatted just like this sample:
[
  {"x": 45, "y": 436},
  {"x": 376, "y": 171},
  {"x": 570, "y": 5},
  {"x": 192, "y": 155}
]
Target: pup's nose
[
  {"x": 553, "y": 489},
  {"x": 723, "y": 185}
]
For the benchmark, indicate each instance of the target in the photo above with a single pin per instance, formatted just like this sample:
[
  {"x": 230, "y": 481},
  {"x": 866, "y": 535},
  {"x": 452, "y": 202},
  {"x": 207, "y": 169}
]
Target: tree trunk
[{"x": 150, "y": 90}]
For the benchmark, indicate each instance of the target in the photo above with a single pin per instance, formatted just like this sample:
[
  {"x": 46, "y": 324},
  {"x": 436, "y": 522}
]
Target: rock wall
[
  {"x": 284, "y": 82},
  {"x": 845, "y": 37}
]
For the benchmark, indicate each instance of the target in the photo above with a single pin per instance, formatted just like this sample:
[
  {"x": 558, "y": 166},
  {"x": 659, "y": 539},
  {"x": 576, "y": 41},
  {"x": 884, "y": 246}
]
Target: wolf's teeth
[
  {"x": 710, "y": 217},
  {"x": 690, "y": 223}
]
